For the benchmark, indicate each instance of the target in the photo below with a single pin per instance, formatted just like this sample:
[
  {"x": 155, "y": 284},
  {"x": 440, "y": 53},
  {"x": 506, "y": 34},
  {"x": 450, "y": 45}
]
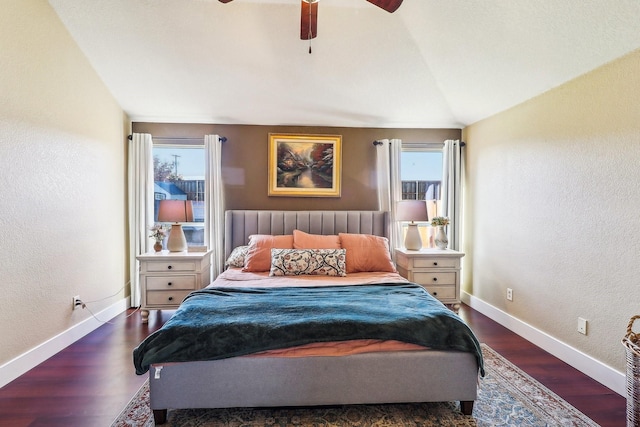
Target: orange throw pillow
[
  {"x": 302, "y": 240},
  {"x": 366, "y": 252},
  {"x": 259, "y": 253}
]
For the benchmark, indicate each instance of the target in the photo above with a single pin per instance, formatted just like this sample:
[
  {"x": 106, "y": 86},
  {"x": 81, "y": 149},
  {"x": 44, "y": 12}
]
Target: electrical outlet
[
  {"x": 509, "y": 294},
  {"x": 582, "y": 325},
  {"x": 77, "y": 302}
]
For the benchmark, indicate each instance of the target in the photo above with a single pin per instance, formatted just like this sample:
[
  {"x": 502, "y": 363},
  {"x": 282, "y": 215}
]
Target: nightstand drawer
[
  {"x": 171, "y": 282},
  {"x": 166, "y": 266},
  {"x": 442, "y": 292},
  {"x": 166, "y": 298},
  {"x": 435, "y": 278},
  {"x": 436, "y": 262}
]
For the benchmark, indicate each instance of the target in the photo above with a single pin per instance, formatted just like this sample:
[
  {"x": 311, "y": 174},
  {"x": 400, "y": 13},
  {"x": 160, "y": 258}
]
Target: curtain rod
[
  {"x": 166, "y": 138},
  {"x": 462, "y": 143}
]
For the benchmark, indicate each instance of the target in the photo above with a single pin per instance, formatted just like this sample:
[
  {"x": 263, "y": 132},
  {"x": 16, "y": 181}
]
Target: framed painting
[{"x": 305, "y": 165}]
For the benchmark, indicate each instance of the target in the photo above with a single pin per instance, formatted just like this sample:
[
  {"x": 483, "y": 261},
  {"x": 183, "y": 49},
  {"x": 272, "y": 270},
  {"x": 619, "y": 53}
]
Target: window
[
  {"x": 178, "y": 172},
  {"x": 421, "y": 178}
]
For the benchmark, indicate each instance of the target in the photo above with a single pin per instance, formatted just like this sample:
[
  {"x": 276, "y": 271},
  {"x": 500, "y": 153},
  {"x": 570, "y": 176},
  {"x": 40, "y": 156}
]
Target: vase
[
  {"x": 441, "y": 238},
  {"x": 157, "y": 246}
]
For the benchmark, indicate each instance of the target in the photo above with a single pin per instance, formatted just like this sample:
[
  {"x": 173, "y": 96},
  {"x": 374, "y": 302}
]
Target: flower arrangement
[
  {"x": 439, "y": 220},
  {"x": 158, "y": 232}
]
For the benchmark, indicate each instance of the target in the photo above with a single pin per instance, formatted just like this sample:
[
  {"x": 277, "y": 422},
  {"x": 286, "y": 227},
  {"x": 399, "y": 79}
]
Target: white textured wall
[
  {"x": 62, "y": 180},
  {"x": 553, "y": 209}
]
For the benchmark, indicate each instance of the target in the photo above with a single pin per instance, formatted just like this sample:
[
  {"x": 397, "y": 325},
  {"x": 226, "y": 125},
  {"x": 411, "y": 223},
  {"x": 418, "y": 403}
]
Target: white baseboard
[
  {"x": 32, "y": 358},
  {"x": 586, "y": 364}
]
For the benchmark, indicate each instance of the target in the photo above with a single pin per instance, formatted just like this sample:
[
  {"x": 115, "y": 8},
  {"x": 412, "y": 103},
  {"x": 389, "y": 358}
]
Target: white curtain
[
  {"x": 214, "y": 205},
  {"x": 389, "y": 185},
  {"x": 140, "y": 172},
  {"x": 452, "y": 165}
]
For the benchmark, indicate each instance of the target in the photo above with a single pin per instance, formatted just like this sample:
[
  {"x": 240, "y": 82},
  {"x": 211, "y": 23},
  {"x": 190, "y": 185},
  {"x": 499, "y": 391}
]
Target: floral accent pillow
[
  {"x": 236, "y": 259},
  {"x": 296, "y": 262}
]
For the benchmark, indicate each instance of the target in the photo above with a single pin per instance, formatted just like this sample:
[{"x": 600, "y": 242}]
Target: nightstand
[
  {"x": 437, "y": 270},
  {"x": 166, "y": 278}
]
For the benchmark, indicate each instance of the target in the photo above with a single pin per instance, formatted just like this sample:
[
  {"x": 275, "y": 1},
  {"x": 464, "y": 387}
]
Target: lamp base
[
  {"x": 412, "y": 240},
  {"x": 176, "y": 241}
]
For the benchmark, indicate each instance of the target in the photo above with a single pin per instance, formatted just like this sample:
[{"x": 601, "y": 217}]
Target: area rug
[{"x": 507, "y": 397}]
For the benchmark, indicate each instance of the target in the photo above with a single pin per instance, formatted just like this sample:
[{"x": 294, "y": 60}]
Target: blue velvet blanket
[{"x": 217, "y": 323}]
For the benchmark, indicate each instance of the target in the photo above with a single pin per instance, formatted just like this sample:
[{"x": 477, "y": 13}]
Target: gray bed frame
[{"x": 389, "y": 377}]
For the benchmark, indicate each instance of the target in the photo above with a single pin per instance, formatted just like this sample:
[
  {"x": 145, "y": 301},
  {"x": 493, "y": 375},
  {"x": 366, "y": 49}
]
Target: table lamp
[
  {"x": 412, "y": 210},
  {"x": 176, "y": 211}
]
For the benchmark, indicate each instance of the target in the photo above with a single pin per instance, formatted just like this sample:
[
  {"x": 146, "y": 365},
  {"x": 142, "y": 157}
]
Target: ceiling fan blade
[
  {"x": 309, "y": 20},
  {"x": 388, "y": 5}
]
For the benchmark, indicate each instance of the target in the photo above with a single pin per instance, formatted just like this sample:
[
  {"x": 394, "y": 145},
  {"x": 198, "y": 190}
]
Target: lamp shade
[
  {"x": 411, "y": 210},
  {"x": 175, "y": 211}
]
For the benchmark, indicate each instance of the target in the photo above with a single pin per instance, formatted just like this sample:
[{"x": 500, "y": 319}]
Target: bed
[{"x": 421, "y": 371}]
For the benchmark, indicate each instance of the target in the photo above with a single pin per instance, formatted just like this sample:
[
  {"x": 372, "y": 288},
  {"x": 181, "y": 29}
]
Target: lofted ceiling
[{"x": 432, "y": 63}]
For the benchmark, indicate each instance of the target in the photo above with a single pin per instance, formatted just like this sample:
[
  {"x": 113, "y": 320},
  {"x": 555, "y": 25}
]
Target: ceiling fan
[{"x": 309, "y": 15}]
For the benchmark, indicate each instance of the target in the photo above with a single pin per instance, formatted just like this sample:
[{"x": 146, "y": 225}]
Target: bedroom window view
[
  {"x": 421, "y": 177},
  {"x": 178, "y": 174}
]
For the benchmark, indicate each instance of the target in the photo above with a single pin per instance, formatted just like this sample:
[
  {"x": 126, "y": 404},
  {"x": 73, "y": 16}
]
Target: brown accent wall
[{"x": 244, "y": 159}]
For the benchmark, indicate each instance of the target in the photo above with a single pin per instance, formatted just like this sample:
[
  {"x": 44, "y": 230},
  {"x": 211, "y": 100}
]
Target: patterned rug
[{"x": 507, "y": 397}]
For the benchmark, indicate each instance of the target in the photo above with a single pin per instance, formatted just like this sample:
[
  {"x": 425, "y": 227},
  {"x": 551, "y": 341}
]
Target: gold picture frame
[{"x": 305, "y": 165}]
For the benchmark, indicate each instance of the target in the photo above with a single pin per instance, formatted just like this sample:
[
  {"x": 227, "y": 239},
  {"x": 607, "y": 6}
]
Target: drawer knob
[
  {"x": 169, "y": 284},
  {"x": 435, "y": 279},
  {"x": 435, "y": 263},
  {"x": 169, "y": 267},
  {"x": 170, "y": 298},
  {"x": 435, "y": 293}
]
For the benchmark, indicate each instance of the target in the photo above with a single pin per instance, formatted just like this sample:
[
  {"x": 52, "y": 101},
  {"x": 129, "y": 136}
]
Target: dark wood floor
[
  {"x": 89, "y": 383},
  {"x": 602, "y": 405}
]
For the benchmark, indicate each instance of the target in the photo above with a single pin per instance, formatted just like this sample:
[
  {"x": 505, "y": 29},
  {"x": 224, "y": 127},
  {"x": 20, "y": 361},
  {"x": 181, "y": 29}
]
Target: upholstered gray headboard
[{"x": 240, "y": 224}]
